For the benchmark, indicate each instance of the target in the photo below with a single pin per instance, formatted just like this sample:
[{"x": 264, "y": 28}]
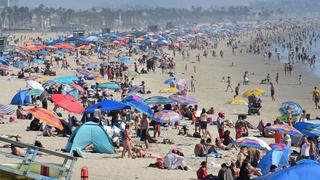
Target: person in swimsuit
[
  {"x": 127, "y": 142},
  {"x": 144, "y": 125}
]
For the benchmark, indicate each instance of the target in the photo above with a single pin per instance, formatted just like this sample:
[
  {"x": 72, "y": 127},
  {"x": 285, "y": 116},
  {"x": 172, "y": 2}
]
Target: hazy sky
[{"x": 83, "y": 4}]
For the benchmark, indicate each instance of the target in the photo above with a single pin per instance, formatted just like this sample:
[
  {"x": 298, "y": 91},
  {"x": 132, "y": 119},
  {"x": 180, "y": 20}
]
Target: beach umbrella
[
  {"x": 125, "y": 60},
  {"x": 38, "y": 61},
  {"x": 181, "y": 85},
  {"x": 107, "y": 105},
  {"x": 5, "y": 110},
  {"x": 109, "y": 85},
  {"x": 87, "y": 73},
  {"x": 35, "y": 85},
  {"x": 168, "y": 90},
  {"x": 303, "y": 170},
  {"x": 50, "y": 83},
  {"x": 34, "y": 92},
  {"x": 182, "y": 99},
  {"x": 255, "y": 92},
  {"x": 167, "y": 116},
  {"x": 79, "y": 88},
  {"x": 295, "y": 107},
  {"x": 67, "y": 102},
  {"x": 237, "y": 102},
  {"x": 285, "y": 129},
  {"x": 33, "y": 77},
  {"x": 67, "y": 79},
  {"x": 130, "y": 73},
  {"x": 141, "y": 106},
  {"x": 133, "y": 98},
  {"x": 252, "y": 142},
  {"x": 20, "y": 64},
  {"x": 42, "y": 79},
  {"x": 5, "y": 68},
  {"x": 310, "y": 128},
  {"x": 158, "y": 100},
  {"x": 46, "y": 116},
  {"x": 279, "y": 156},
  {"x": 170, "y": 80}
]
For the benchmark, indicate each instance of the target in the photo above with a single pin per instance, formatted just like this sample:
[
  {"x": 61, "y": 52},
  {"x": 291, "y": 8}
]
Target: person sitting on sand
[
  {"x": 199, "y": 149},
  {"x": 47, "y": 131},
  {"x": 19, "y": 113},
  {"x": 202, "y": 172},
  {"x": 220, "y": 145},
  {"x": 174, "y": 161}
]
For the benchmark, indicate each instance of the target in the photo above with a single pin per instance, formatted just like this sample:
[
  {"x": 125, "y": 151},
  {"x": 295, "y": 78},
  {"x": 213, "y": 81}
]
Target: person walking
[
  {"x": 236, "y": 89},
  {"x": 229, "y": 84}
]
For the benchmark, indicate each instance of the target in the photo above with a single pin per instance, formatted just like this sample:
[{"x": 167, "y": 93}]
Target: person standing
[
  {"x": 203, "y": 122},
  {"x": 316, "y": 97},
  {"x": 127, "y": 142},
  {"x": 97, "y": 115},
  {"x": 300, "y": 80},
  {"x": 192, "y": 84},
  {"x": 277, "y": 78},
  {"x": 236, "y": 89},
  {"x": 272, "y": 91},
  {"x": 144, "y": 125},
  {"x": 229, "y": 84}
]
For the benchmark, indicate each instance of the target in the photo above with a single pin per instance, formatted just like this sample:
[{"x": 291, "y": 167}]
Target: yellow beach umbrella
[
  {"x": 237, "y": 102},
  {"x": 43, "y": 79},
  {"x": 168, "y": 90},
  {"x": 255, "y": 92},
  {"x": 100, "y": 80}
]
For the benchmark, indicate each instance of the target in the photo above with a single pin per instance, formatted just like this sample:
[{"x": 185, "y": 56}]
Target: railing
[{"x": 30, "y": 159}]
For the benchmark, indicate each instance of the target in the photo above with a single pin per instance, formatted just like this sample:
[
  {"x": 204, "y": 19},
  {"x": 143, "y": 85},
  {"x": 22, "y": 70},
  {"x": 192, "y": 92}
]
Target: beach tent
[
  {"x": 21, "y": 98},
  {"x": 279, "y": 156},
  {"x": 90, "y": 133},
  {"x": 304, "y": 170}
]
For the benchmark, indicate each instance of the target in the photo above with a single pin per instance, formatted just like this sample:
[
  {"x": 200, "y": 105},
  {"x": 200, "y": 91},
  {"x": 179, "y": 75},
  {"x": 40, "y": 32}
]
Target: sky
[{"x": 87, "y": 4}]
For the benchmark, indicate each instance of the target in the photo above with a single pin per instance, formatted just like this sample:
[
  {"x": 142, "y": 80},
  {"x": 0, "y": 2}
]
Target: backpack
[{"x": 196, "y": 135}]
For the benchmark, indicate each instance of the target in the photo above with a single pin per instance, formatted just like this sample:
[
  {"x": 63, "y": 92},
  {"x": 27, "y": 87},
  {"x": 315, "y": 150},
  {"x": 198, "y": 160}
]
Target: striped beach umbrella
[
  {"x": 182, "y": 99},
  {"x": 4, "y": 109},
  {"x": 285, "y": 129},
  {"x": 167, "y": 116},
  {"x": 158, "y": 100}
]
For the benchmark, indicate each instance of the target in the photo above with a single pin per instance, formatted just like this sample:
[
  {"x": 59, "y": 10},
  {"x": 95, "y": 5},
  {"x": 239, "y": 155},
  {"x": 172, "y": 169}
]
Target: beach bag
[{"x": 196, "y": 135}]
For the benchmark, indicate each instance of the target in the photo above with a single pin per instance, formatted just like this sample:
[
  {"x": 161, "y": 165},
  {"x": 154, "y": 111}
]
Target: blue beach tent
[
  {"x": 90, "y": 133},
  {"x": 304, "y": 170},
  {"x": 21, "y": 98}
]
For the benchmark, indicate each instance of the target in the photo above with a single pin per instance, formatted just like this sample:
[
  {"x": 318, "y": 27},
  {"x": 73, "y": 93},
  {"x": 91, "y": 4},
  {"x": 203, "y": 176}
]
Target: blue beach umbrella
[
  {"x": 158, "y": 100},
  {"x": 67, "y": 79},
  {"x": 107, "y": 105},
  {"x": 109, "y": 85},
  {"x": 125, "y": 60}
]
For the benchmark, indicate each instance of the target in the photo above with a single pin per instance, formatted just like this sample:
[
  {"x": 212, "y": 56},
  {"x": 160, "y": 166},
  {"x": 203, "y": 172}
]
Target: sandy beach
[{"x": 210, "y": 92}]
